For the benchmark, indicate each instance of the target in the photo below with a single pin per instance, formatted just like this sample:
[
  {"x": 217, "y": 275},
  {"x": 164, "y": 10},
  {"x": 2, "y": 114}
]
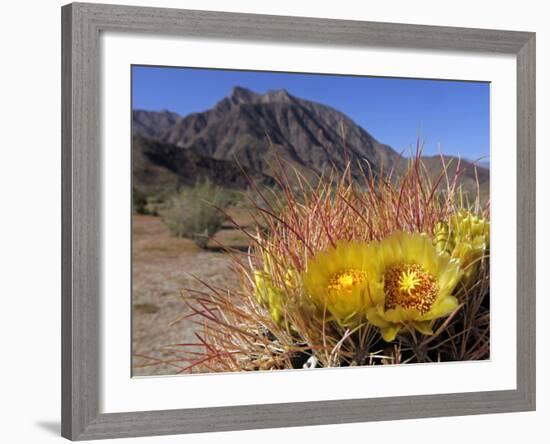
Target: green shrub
[
  {"x": 195, "y": 213},
  {"x": 139, "y": 201}
]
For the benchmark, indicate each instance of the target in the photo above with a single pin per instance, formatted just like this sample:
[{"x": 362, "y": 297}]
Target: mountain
[{"x": 252, "y": 131}]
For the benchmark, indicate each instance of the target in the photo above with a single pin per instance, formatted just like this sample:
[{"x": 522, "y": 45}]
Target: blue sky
[{"x": 454, "y": 114}]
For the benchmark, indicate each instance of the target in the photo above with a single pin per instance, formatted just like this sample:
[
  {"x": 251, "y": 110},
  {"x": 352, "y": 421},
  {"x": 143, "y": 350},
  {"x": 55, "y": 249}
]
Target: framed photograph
[{"x": 278, "y": 221}]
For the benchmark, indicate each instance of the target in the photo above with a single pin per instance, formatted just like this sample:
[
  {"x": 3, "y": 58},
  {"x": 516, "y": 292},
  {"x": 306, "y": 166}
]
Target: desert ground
[{"x": 164, "y": 266}]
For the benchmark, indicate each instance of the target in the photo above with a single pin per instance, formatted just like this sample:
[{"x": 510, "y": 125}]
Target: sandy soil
[{"x": 162, "y": 266}]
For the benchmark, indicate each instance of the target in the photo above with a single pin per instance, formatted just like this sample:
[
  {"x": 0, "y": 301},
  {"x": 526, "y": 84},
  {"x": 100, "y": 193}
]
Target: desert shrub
[
  {"x": 196, "y": 212},
  {"x": 139, "y": 201}
]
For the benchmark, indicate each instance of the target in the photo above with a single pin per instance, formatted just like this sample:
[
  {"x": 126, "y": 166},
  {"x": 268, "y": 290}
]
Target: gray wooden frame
[{"x": 81, "y": 26}]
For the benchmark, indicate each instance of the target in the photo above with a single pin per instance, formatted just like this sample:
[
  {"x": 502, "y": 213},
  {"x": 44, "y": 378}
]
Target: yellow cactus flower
[
  {"x": 340, "y": 280},
  {"x": 416, "y": 284},
  {"x": 268, "y": 295},
  {"x": 466, "y": 238}
]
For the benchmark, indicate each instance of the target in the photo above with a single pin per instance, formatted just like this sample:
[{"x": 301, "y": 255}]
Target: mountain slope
[
  {"x": 158, "y": 167},
  {"x": 253, "y": 129}
]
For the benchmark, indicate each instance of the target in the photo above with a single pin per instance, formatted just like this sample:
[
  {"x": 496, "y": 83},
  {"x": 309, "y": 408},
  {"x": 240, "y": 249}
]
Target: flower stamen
[
  {"x": 347, "y": 280},
  {"x": 410, "y": 286}
]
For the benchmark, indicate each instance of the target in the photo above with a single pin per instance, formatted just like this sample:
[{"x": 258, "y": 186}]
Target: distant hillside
[
  {"x": 159, "y": 167},
  {"x": 252, "y": 130},
  {"x": 470, "y": 174}
]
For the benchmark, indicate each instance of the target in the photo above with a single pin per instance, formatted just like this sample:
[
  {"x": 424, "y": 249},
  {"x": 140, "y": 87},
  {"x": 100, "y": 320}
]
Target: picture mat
[{"x": 120, "y": 392}]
